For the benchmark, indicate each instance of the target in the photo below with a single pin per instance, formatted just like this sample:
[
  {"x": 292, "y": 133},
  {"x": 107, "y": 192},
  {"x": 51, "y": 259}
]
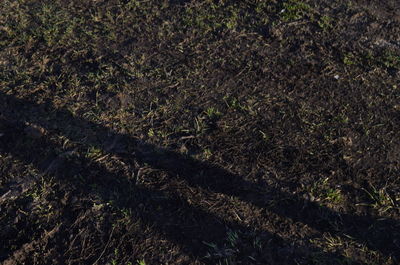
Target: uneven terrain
[{"x": 199, "y": 132}]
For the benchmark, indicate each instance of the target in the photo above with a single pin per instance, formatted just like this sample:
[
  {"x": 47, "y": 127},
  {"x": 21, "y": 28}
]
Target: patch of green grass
[
  {"x": 213, "y": 113},
  {"x": 294, "y": 10},
  {"x": 94, "y": 152},
  {"x": 141, "y": 262},
  {"x": 235, "y": 104},
  {"x": 46, "y": 23},
  {"x": 349, "y": 59},
  {"x": 325, "y": 23},
  {"x": 380, "y": 199},
  {"x": 387, "y": 59},
  {"x": 324, "y": 192},
  {"x": 341, "y": 118},
  {"x": 207, "y": 153},
  {"x": 209, "y": 19},
  {"x": 151, "y": 132},
  {"x": 391, "y": 60}
]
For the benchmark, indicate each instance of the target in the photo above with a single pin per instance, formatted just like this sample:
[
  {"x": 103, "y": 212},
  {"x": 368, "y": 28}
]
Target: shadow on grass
[{"x": 192, "y": 226}]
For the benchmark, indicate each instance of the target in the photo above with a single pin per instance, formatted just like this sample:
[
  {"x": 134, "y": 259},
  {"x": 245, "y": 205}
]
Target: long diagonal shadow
[
  {"x": 196, "y": 174},
  {"x": 213, "y": 228}
]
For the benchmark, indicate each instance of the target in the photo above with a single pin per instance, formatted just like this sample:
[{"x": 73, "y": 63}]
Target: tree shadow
[{"x": 379, "y": 235}]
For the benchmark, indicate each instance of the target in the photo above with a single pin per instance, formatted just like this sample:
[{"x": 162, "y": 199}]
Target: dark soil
[{"x": 199, "y": 132}]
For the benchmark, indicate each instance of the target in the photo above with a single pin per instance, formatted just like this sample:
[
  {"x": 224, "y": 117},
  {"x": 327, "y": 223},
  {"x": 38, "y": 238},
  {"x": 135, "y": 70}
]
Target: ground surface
[{"x": 199, "y": 132}]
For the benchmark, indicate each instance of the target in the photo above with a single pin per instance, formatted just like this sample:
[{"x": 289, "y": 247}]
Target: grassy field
[{"x": 221, "y": 132}]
